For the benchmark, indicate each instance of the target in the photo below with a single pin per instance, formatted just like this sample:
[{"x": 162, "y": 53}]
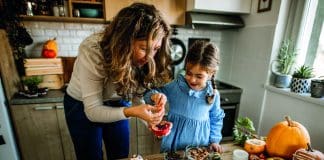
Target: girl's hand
[
  {"x": 159, "y": 99},
  {"x": 146, "y": 112},
  {"x": 216, "y": 147}
]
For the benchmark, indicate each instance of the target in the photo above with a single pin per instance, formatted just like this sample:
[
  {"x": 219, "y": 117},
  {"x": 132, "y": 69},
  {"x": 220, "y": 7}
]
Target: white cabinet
[{"x": 220, "y": 6}]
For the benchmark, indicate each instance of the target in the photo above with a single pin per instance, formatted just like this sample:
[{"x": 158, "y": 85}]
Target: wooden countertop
[{"x": 226, "y": 155}]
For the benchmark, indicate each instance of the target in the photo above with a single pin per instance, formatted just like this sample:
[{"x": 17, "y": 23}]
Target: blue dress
[{"x": 195, "y": 122}]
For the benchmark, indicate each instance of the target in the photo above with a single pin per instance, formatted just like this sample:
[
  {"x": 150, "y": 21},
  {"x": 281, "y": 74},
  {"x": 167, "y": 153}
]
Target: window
[{"x": 312, "y": 48}]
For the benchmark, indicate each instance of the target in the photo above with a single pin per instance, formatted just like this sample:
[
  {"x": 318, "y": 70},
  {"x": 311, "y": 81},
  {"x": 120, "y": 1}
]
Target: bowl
[
  {"x": 89, "y": 12},
  {"x": 201, "y": 152}
]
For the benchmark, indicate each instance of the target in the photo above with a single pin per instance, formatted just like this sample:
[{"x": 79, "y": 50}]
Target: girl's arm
[
  {"x": 166, "y": 90},
  {"x": 216, "y": 115}
]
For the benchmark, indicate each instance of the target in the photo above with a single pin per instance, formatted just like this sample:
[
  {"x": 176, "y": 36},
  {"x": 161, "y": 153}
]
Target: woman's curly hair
[{"x": 139, "y": 21}]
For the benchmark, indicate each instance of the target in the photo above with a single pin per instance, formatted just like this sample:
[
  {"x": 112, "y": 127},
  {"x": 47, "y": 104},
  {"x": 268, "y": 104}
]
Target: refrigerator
[{"x": 8, "y": 147}]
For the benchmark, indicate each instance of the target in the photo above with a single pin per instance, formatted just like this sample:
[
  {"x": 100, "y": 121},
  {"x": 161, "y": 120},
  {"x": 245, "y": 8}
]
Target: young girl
[{"x": 194, "y": 102}]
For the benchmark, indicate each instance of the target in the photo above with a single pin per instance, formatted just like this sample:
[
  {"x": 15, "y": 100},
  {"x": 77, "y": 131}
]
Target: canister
[{"x": 317, "y": 88}]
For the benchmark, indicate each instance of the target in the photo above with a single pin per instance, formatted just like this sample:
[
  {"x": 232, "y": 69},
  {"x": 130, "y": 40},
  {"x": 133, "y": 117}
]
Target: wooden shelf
[
  {"x": 63, "y": 19},
  {"x": 87, "y": 2}
]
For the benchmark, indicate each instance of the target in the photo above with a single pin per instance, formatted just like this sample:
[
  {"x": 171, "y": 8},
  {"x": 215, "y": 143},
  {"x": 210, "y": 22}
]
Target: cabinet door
[
  {"x": 67, "y": 144},
  {"x": 172, "y": 10},
  {"x": 37, "y": 131}
]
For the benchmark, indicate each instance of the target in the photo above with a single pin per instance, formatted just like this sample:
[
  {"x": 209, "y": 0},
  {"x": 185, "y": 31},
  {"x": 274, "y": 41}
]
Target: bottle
[
  {"x": 56, "y": 11},
  {"x": 61, "y": 8},
  {"x": 29, "y": 11},
  {"x": 76, "y": 12}
]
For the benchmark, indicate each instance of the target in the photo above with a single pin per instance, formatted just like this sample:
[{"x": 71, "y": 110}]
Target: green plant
[
  {"x": 243, "y": 130},
  {"x": 32, "y": 81},
  {"x": 286, "y": 57},
  {"x": 304, "y": 72}
]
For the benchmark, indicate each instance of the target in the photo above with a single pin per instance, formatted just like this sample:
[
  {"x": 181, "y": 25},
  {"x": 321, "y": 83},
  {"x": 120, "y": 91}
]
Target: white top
[{"x": 90, "y": 83}]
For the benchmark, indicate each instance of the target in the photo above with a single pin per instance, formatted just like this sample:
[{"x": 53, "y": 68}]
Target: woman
[{"x": 112, "y": 70}]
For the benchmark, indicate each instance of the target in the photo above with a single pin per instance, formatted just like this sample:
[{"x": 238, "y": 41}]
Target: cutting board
[
  {"x": 68, "y": 63},
  {"x": 9, "y": 74}
]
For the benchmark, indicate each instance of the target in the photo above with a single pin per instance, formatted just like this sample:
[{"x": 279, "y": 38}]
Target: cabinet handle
[
  {"x": 43, "y": 108},
  {"x": 228, "y": 107},
  {"x": 59, "y": 107}
]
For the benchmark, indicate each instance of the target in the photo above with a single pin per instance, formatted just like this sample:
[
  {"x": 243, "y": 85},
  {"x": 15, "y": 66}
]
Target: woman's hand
[
  {"x": 216, "y": 147},
  {"x": 152, "y": 115}
]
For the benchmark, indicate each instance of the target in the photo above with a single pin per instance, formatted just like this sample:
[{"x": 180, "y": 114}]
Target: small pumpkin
[
  {"x": 254, "y": 146},
  {"x": 50, "y": 49},
  {"x": 285, "y": 138},
  {"x": 308, "y": 154}
]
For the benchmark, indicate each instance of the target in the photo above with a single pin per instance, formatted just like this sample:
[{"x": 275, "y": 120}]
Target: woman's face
[
  {"x": 140, "y": 57},
  {"x": 197, "y": 77}
]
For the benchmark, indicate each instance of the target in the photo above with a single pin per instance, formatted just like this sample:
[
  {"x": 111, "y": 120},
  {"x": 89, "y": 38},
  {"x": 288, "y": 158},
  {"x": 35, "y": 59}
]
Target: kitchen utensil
[{"x": 317, "y": 88}]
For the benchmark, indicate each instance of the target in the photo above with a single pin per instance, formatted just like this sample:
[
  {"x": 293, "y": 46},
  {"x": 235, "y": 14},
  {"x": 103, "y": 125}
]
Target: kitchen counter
[
  {"x": 53, "y": 96},
  {"x": 229, "y": 147}
]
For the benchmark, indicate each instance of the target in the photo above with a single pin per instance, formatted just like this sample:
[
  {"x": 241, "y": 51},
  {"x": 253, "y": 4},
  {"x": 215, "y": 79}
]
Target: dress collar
[{"x": 185, "y": 88}]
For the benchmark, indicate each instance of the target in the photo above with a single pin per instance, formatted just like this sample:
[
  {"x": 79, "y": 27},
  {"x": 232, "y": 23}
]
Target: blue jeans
[{"x": 87, "y": 136}]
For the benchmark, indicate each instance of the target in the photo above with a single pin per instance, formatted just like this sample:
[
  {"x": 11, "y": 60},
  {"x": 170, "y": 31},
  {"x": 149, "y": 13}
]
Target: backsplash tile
[{"x": 70, "y": 35}]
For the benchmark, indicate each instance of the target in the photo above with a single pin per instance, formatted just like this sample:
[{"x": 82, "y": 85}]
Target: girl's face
[
  {"x": 140, "y": 57},
  {"x": 197, "y": 77}
]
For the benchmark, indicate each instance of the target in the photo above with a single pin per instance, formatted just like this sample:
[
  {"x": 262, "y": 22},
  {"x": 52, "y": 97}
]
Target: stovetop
[
  {"x": 229, "y": 94},
  {"x": 223, "y": 86}
]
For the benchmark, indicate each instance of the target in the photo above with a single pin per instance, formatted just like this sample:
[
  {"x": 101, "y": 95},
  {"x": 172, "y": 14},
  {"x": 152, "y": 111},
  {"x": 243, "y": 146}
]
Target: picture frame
[{"x": 264, "y": 5}]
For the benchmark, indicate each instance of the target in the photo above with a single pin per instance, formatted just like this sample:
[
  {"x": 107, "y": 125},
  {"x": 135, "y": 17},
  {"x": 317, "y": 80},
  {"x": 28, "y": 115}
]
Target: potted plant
[
  {"x": 285, "y": 60},
  {"x": 301, "y": 79},
  {"x": 32, "y": 83}
]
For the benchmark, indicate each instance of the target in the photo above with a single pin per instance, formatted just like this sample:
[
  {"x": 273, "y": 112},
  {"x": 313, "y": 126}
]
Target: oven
[{"x": 230, "y": 101}]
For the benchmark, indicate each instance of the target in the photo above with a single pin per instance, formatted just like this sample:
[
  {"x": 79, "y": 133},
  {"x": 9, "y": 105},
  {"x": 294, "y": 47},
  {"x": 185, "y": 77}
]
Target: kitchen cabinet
[
  {"x": 42, "y": 132},
  {"x": 173, "y": 11},
  {"x": 142, "y": 140},
  {"x": 220, "y": 6},
  {"x": 76, "y": 6},
  {"x": 70, "y": 7}
]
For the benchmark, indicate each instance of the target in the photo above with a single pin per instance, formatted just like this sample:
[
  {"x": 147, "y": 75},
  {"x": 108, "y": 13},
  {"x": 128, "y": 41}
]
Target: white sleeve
[{"x": 92, "y": 75}]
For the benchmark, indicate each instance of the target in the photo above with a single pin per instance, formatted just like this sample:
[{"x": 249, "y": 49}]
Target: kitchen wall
[
  {"x": 251, "y": 58},
  {"x": 70, "y": 35},
  {"x": 254, "y": 48}
]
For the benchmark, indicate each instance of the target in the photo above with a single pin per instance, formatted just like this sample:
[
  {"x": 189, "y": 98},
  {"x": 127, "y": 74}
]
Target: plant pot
[
  {"x": 282, "y": 80},
  {"x": 32, "y": 88},
  {"x": 317, "y": 88},
  {"x": 299, "y": 85}
]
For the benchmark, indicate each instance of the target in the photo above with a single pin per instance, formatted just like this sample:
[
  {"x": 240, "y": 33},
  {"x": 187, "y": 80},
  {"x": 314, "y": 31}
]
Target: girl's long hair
[{"x": 139, "y": 21}]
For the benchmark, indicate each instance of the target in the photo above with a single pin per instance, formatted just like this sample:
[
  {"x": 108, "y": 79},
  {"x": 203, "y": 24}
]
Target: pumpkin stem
[
  {"x": 309, "y": 148},
  {"x": 288, "y": 119}
]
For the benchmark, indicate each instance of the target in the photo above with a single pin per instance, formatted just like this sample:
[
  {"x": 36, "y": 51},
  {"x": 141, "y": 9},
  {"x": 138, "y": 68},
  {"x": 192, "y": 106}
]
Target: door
[{"x": 38, "y": 131}]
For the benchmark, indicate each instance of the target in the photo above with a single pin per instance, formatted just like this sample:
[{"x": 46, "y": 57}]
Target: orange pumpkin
[
  {"x": 254, "y": 146},
  {"x": 50, "y": 49},
  {"x": 285, "y": 138}
]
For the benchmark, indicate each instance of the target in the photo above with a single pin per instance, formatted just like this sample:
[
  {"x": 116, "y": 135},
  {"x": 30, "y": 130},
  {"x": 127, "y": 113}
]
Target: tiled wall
[{"x": 70, "y": 35}]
